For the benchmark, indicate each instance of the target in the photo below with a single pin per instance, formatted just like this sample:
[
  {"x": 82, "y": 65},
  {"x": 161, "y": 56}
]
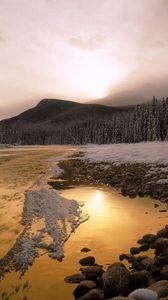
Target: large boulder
[
  {"x": 87, "y": 261},
  {"x": 83, "y": 288},
  {"x": 116, "y": 280},
  {"x": 160, "y": 287},
  {"x": 92, "y": 295}
]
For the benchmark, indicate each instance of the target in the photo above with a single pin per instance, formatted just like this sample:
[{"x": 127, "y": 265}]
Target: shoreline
[{"x": 131, "y": 180}]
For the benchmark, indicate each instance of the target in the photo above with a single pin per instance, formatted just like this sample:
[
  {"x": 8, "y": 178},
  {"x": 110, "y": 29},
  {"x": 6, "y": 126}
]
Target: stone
[
  {"x": 144, "y": 247},
  {"x": 164, "y": 272},
  {"x": 92, "y": 295},
  {"x": 147, "y": 263},
  {"x": 116, "y": 280},
  {"x": 85, "y": 249},
  {"x": 162, "y": 233},
  {"x": 135, "y": 250},
  {"x": 143, "y": 294},
  {"x": 161, "y": 246},
  {"x": 160, "y": 287},
  {"x": 139, "y": 278},
  {"x": 83, "y": 288},
  {"x": 87, "y": 261},
  {"x": 149, "y": 238},
  {"x": 92, "y": 272},
  {"x": 75, "y": 278}
]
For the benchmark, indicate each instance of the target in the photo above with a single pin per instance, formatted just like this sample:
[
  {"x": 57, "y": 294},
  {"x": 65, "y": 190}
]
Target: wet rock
[
  {"x": 75, "y": 278},
  {"x": 144, "y": 247},
  {"x": 116, "y": 280},
  {"x": 125, "y": 256},
  {"x": 83, "y": 288},
  {"x": 85, "y": 249},
  {"x": 164, "y": 272},
  {"x": 147, "y": 263},
  {"x": 161, "y": 246},
  {"x": 143, "y": 294},
  {"x": 160, "y": 287},
  {"x": 139, "y": 278},
  {"x": 162, "y": 233},
  {"x": 135, "y": 250},
  {"x": 87, "y": 261},
  {"x": 92, "y": 295},
  {"x": 92, "y": 272},
  {"x": 149, "y": 238}
]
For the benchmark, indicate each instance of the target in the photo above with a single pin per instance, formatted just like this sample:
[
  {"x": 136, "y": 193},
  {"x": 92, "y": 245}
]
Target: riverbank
[
  {"x": 145, "y": 274},
  {"x": 136, "y": 179}
]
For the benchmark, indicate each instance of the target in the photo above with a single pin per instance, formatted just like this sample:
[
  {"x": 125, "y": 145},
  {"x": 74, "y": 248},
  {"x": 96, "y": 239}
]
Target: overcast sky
[{"x": 81, "y": 50}]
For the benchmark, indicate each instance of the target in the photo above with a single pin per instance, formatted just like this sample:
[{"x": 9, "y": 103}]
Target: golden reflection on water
[{"x": 115, "y": 224}]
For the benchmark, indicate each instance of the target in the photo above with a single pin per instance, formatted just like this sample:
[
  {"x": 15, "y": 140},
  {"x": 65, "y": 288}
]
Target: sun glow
[{"x": 93, "y": 76}]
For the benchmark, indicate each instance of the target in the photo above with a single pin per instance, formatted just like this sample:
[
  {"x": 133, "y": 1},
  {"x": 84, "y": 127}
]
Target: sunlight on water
[{"x": 115, "y": 224}]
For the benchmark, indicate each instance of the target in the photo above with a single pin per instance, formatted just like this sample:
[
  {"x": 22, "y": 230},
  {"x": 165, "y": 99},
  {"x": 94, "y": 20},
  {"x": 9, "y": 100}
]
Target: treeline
[{"x": 146, "y": 122}]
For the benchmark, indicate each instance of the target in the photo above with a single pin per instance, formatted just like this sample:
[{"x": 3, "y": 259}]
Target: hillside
[{"x": 55, "y": 121}]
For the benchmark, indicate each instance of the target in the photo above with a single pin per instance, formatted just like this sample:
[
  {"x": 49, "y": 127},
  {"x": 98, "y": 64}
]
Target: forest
[{"x": 143, "y": 122}]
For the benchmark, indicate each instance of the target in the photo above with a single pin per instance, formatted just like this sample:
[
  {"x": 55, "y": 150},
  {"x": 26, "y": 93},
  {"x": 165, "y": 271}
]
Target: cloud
[{"x": 90, "y": 43}]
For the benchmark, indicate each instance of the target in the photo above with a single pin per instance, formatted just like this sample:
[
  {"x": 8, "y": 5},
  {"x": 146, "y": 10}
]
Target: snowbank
[{"x": 150, "y": 152}]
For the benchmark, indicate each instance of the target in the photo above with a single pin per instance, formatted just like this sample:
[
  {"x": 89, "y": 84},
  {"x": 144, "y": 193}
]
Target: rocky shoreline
[
  {"x": 130, "y": 179},
  {"x": 145, "y": 279}
]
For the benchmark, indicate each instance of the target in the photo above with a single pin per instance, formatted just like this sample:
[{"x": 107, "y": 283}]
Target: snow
[{"x": 149, "y": 152}]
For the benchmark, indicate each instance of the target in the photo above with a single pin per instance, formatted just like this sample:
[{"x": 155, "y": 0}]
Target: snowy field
[{"x": 150, "y": 153}]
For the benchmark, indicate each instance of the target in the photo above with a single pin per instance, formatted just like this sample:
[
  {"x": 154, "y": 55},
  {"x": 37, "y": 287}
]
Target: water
[{"x": 114, "y": 226}]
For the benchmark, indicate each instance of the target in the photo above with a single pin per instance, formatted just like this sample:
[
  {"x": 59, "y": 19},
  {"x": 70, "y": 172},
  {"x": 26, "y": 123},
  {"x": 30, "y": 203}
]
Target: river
[{"x": 115, "y": 224}]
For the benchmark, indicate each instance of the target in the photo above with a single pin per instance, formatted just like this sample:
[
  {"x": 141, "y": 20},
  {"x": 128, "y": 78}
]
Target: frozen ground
[
  {"x": 150, "y": 153},
  {"x": 48, "y": 218}
]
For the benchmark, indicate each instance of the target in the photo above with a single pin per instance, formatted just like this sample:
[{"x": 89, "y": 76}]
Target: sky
[{"x": 81, "y": 50}]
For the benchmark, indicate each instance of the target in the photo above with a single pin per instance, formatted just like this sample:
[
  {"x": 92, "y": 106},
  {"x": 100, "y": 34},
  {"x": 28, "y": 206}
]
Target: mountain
[
  {"x": 54, "y": 121},
  {"x": 53, "y": 111}
]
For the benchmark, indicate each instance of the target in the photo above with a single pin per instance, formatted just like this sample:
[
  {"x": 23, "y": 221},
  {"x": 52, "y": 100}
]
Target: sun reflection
[{"x": 97, "y": 204}]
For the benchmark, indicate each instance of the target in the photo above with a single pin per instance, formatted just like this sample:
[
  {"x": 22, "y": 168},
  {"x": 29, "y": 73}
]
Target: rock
[
  {"x": 139, "y": 278},
  {"x": 156, "y": 205},
  {"x": 144, "y": 247},
  {"x": 75, "y": 278},
  {"x": 149, "y": 238},
  {"x": 85, "y": 249},
  {"x": 147, "y": 263},
  {"x": 134, "y": 250},
  {"x": 143, "y": 294},
  {"x": 161, "y": 246},
  {"x": 83, "y": 288},
  {"x": 92, "y": 272},
  {"x": 116, "y": 280},
  {"x": 87, "y": 261},
  {"x": 164, "y": 272},
  {"x": 92, "y": 295},
  {"x": 162, "y": 233},
  {"x": 125, "y": 256},
  {"x": 160, "y": 287}
]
